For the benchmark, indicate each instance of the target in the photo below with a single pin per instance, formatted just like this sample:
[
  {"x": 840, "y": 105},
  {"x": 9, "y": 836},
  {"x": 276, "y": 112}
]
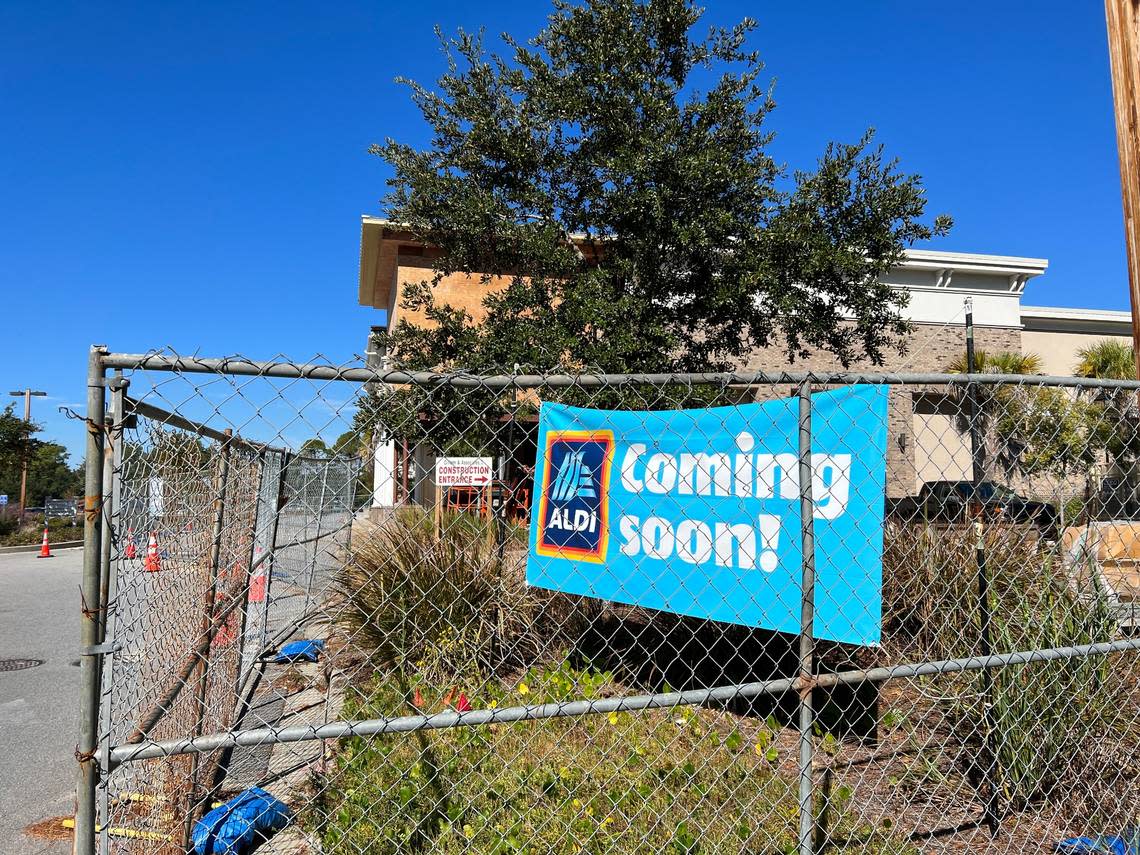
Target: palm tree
[
  {"x": 1113, "y": 359},
  {"x": 1108, "y": 359},
  {"x": 990, "y": 401},
  {"x": 1001, "y": 362}
]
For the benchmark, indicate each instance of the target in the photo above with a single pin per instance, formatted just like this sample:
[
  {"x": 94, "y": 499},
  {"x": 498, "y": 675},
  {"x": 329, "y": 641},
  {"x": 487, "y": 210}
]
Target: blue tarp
[
  {"x": 305, "y": 650},
  {"x": 1126, "y": 843},
  {"x": 246, "y": 819}
]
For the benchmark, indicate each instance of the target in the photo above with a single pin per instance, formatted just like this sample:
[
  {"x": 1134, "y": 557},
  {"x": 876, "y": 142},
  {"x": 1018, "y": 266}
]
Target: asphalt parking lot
[{"x": 39, "y": 620}]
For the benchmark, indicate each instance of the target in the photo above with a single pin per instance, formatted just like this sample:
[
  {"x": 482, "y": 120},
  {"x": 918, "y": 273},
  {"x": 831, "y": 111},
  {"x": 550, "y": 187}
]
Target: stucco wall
[
  {"x": 1059, "y": 351},
  {"x": 459, "y": 290}
]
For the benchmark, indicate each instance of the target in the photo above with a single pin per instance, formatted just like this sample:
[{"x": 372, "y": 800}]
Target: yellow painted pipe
[{"x": 116, "y": 831}]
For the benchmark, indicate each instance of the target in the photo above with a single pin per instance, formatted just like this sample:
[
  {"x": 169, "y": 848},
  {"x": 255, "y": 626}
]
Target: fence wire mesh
[{"x": 455, "y": 707}]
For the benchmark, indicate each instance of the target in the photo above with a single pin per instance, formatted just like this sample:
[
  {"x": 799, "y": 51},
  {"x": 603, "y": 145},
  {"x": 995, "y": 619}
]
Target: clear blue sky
[{"x": 193, "y": 174}]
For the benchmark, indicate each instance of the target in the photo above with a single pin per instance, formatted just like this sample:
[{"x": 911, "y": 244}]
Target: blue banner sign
[{"x": 697, "y": 512}]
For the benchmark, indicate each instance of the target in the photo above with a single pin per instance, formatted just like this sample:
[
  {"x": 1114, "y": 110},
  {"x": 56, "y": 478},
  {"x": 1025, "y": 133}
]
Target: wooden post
[
  {"x": 437, "y": 524},
  {"x": 489, "y": 513},
  {"x": 1123, "y": 17}
]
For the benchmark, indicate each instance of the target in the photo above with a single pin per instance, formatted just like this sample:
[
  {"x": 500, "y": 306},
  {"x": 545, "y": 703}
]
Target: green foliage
[
  {"x": 1045, "y": 430},
  {"x": 680, "y": 780},
  {"x": 999, "y": 362},
  {"x": 15, "y": 435},
  {"x": 1048, "y": 713},
  {"x": 1108, "y": 359},
  {"x": 1026, "y": 428},
  {"x": 33, "y": 530},
  {"x": 409, "y": 596},
  {"x": 1111, "y": 359},
  {"x": 638, "y": 220},
  {"x": 49, "y": 473},
  {"x": 314, "y": 447},
  {"x": 348, "y": 444}
]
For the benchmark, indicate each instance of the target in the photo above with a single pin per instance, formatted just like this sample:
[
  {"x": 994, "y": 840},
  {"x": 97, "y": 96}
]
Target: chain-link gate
[{"x": 235, "y": 507}]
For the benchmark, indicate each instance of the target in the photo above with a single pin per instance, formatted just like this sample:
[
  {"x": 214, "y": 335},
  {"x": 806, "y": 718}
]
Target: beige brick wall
[{"x": 931, "y": 348}]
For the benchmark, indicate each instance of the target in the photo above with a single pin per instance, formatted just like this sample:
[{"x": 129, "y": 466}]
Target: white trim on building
[
  {"x": 939, "y": 282},
  {"x": 1105, "y": 322}
]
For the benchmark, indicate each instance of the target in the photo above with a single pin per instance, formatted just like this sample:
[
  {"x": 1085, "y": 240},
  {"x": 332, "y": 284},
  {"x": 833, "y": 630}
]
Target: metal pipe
[
  {"x": 807, "y": 626},
  {"x": 978, "y": 475},
  {"x": 111, "y": 463},
  {"x": 174, "y": 420},
  {"x": 246, "y": 368},
  {"x": 665, "y": 700},
  {"x": 91, "y": 617},
  {"x": 221, "y": 482}
]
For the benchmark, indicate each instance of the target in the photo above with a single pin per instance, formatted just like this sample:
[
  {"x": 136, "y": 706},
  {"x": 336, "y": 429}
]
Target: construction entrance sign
[{"x": 463, "y": 471}]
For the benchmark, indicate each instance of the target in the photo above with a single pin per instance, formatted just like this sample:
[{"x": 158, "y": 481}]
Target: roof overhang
[
  {"x": 930, "y": 270},
  {"x": 968, "y": 262},
  {"x": 377, "y": 266},
  {"x": 1084, "y": 321}
]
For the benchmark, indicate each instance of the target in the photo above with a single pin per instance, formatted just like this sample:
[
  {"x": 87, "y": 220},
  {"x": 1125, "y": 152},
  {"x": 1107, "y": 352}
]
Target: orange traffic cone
[
  {"x": 151, "y": 563},
  {"x": 45, "y": 547},
  {"x": 132, "y": 550}
]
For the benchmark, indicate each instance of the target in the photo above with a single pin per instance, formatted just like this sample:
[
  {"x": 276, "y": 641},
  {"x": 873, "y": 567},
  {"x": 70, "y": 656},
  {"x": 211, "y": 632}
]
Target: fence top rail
[
  {"x": 133, "y": 407},
  {"x": 240, "y": 366}
]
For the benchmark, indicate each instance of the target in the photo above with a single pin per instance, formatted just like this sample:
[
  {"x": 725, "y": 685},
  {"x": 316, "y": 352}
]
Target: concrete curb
[{"x": 35, "y": 547}]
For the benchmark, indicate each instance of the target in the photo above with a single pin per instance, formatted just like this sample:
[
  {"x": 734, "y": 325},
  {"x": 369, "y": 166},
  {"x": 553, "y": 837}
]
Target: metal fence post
[
  {"x": 807, "y": 620},
  {"x": 279, "y": 503},
  {"x": 91, "y": 616},
  {"x": 221, "y": 481},
  {"x": 978, "y": 474},
  {"x": 112, "y": 460}
]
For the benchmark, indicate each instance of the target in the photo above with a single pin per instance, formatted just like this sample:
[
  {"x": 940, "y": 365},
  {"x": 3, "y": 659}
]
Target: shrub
[
  {"x": 930, "y": 584},
  {"x": 1049, "y": 714},
  {"x": 454, "y": 602}
]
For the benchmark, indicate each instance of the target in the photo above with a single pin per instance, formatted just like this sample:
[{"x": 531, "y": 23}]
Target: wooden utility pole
[{"x": 1123, "y": 18}]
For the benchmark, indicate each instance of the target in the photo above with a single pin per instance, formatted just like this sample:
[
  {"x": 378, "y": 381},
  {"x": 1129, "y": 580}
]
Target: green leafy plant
[
  {"x": 634, "y": 217},
  {"x": 622, "y": 784}
]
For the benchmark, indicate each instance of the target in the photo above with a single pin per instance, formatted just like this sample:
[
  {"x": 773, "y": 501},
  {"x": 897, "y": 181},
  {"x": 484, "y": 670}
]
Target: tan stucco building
[{"x": 925, "y": 444}]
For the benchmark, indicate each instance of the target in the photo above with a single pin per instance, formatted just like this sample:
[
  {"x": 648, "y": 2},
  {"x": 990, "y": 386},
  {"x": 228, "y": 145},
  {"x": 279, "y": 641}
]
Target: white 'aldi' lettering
[{"x": 580, "y": 520}]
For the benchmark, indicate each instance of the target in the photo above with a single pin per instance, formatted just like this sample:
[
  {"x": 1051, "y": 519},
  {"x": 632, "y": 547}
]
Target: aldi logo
[{"x": 573, "y": 513}]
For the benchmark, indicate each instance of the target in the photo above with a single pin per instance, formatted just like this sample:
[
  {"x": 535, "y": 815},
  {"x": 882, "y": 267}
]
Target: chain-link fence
[{"x": 608, "y": 613}]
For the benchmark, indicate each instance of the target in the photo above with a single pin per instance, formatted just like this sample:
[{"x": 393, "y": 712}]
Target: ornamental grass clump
[
  {"x": 452, "y": 600},
  {"x": 1049, "y": 714}
]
